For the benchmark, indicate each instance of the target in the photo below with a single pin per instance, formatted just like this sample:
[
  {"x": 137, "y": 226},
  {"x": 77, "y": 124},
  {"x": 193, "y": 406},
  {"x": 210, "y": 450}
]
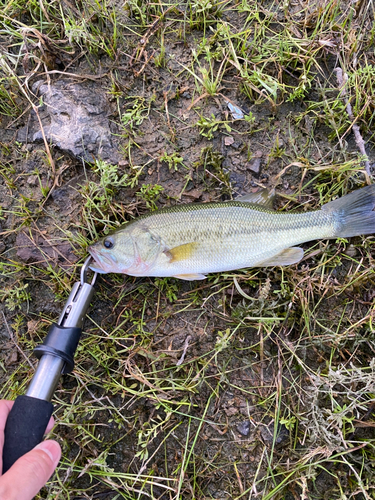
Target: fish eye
[{"x": 108, "y": 243}]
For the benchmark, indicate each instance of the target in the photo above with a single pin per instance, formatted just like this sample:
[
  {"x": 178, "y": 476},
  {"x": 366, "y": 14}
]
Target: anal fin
[
  {"x": 190, "y": 277},
  {"x": 284, "y": 258}
]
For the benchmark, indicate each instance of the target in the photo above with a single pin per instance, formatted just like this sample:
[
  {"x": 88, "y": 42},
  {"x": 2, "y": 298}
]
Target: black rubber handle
[
  {"x": 25, "y": 427},
  {"x": 61, "y": 341}
]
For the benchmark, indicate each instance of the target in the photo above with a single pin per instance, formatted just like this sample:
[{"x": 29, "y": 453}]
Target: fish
[{"x": 188, "y": 241}]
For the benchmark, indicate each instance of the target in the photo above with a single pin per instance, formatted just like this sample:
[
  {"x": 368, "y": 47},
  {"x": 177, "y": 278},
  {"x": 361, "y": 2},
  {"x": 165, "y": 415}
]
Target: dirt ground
[{"x": 274, "y": 395}]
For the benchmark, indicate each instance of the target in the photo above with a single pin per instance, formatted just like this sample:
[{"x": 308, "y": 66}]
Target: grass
[{"x": 169, "y": 372}]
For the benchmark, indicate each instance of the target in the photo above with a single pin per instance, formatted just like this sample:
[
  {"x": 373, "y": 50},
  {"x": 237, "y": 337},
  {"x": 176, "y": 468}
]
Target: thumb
[{"x": 31, "y": 472}]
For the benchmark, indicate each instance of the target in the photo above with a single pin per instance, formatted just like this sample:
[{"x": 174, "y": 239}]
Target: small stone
[
  {"x": 230, "y": 411},
  {"x": 255, "y": 165},
  {"x": 267, "y": 433},
  {"x": 194, "y": 193},
  {"x": 32, "y": 180},
  {"x": 237, "y": 178},
  {"x": 228, "y": 140},
  {"x": 12, "y": 358},
  {"x": 244, "y": 428},
  {"x": 32, "y": 326},
  {"x": 351, "y": 251}
]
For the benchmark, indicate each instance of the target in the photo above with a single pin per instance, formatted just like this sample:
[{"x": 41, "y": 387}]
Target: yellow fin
[
  {"x": 190, "y": 277},
  {"x": 284, "y": 258},
  {"x": 182, "y": 252}
]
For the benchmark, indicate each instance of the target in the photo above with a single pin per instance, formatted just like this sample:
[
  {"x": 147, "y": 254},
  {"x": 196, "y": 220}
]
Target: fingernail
[{"x": 52, "y": 448}]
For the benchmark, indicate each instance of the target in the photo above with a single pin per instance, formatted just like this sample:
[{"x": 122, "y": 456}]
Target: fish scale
[
  {"x": 189, "y": 241},
  {"x": 239, "y": 236}
]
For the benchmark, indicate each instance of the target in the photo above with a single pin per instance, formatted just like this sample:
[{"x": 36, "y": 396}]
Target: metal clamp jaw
[{"x": 75, "y": 308}]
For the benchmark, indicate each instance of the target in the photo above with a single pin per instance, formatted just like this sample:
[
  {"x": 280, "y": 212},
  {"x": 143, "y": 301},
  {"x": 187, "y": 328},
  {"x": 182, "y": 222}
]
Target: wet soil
[{"x": 224, "y": 396}]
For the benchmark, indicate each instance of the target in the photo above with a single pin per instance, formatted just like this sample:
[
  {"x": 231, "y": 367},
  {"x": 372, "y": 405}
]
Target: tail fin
[{"x": 355, "y": 212}]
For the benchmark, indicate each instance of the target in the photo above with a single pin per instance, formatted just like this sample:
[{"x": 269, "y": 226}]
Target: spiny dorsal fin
[{"x": 262, "y": 197}]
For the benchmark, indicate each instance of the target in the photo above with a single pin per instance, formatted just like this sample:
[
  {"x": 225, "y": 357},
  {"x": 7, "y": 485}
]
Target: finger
[
  {"x": 31, "y": 472},
  {"x": 50, "y": 425},
  {"x": 5, "y": 407}
]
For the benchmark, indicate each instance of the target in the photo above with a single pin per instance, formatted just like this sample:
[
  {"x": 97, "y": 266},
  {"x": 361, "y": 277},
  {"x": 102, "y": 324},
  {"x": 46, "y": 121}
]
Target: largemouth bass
[{"x": 189, "y": 241}]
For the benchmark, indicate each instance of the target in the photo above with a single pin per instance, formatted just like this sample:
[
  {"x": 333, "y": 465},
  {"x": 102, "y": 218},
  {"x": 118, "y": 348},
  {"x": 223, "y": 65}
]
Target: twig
[
  {"x": 138, "y": 51},
  {"x": 186, "y": 345},
  {"x": 135, "y": 373},
  {"x": 342, "y": 79},
  {"x": 205, "y": 94},
  {"x": 75, "y": 75},
  {"x": 147, "y": 60}
]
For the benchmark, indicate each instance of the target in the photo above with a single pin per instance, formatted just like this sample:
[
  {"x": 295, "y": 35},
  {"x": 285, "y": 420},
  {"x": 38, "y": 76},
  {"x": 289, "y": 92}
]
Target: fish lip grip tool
[{"x": 30, "y": 414}]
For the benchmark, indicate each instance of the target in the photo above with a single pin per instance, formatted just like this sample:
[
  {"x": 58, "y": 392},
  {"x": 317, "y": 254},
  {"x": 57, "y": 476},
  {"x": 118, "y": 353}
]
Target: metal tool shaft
[
  {"x": 46, "y": 377},
  {"x": 31, "y": 412}
]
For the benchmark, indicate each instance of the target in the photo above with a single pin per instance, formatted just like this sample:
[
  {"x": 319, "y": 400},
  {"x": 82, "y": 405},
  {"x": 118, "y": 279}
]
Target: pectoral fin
[
  {"x": 190, "y": 277},
  {"x": 284, "y": 258},
  {"x": 262, "y": 197},
  {"x": 182, "y": 252}
]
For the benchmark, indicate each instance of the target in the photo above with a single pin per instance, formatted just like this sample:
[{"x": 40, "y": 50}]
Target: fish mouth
[
  {"x": 95, "y": 267},
  {"x": 102, "y": 263}
]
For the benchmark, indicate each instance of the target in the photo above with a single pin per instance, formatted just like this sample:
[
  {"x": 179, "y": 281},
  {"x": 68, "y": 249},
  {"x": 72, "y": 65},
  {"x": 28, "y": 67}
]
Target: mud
[{"x": 137, "y": 328}]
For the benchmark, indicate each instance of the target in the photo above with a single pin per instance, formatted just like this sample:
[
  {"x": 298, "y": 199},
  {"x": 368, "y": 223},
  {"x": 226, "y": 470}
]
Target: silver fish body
[{"x": 189, "y": 241}]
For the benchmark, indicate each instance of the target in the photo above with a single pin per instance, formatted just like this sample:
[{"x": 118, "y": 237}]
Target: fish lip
[
  {"x": 94, "y": 254},
  {"x": 97, "y": 269},
  {"x": 103, "y": 263}
]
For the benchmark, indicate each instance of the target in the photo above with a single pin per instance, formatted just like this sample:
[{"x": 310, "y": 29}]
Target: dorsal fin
[{"x": 264, "y": 197}]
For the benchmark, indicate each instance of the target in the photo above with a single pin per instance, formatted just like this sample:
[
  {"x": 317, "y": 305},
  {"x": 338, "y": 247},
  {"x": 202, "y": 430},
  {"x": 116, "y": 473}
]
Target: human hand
[{"x": 31, "y": 472}]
